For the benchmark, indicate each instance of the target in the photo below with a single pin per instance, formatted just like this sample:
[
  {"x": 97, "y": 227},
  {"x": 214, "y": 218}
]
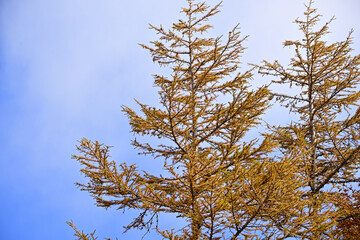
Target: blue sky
[{"x": 67, "y": 66}]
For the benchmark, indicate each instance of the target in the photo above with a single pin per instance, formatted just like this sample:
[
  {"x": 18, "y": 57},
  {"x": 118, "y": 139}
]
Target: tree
[
  {"x": 325, "y": 137},
  {"x": 223, "y": 186},
  {"x": 348, "y": 227},
  {"x": 285, "y": 184}
]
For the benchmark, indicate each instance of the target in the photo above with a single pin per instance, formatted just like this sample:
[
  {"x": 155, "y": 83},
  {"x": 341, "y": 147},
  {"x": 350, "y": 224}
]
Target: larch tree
[
  {"x": 348, "y": 226},
  {"x": 223, "y": 186},
  {"x": 324, "y": 134}
]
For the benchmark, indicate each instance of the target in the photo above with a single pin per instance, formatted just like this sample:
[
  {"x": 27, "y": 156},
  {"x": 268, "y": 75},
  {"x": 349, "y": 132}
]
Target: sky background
[{"x": 66, "y": 67}]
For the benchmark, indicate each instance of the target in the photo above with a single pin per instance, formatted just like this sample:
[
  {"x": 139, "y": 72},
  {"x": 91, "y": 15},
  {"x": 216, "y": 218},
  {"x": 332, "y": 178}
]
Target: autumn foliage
[
  {"x": 285, "y": 183},
  {"x": 325, "y": 137},
  {"x": 348, "y": 227}
]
